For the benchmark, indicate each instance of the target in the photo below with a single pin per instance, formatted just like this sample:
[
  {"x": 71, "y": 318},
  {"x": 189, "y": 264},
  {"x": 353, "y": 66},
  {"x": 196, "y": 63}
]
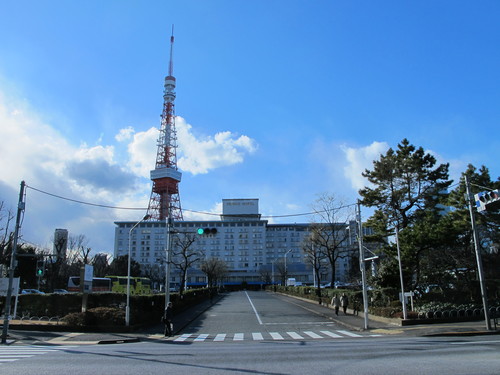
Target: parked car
[
  {"x": 31, "y": 291},
  {"x": 60, "y": 291}
]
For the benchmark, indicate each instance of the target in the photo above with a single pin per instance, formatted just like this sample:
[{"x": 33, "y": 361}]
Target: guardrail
[{"x": 34, "y": 319}]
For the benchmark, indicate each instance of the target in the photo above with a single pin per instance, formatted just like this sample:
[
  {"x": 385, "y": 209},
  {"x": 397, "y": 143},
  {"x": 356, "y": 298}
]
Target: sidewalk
[
  {"x": 389, "y": 326},
  {"x": 156, "y": 331}
]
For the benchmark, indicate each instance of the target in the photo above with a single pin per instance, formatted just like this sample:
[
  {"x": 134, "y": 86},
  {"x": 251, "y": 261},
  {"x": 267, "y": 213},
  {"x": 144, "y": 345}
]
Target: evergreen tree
[{"x": 406, "y": 182}]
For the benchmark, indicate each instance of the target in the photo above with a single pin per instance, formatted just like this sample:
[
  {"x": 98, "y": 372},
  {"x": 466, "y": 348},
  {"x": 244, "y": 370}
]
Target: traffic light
[
  {"x": 487, "y": 200},
  {"x": 40, "y": 268},
  {"x": 205, "y": 231}
]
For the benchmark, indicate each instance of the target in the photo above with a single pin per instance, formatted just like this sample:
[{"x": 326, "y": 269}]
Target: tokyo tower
[{"x": 165, "y": 202}]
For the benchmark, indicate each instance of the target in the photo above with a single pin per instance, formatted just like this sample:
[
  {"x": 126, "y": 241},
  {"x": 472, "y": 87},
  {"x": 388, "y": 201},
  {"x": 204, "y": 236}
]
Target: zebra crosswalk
[
  {"x": 15, "y": 353},
  {"x": 259, "y": 336}
]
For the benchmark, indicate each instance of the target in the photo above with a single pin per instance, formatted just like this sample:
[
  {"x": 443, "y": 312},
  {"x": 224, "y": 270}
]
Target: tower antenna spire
[
  {"x": 165, "y": 202},
  {"x": 171, "y": 63}
]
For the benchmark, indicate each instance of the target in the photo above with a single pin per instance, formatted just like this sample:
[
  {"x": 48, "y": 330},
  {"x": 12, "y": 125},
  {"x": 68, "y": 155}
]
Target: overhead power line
[{"x": 184, "y": 209}]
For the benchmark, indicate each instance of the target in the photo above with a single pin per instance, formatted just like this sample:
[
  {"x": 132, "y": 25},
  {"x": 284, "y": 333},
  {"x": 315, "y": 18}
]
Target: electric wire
[{"x": 184, "y": 209}]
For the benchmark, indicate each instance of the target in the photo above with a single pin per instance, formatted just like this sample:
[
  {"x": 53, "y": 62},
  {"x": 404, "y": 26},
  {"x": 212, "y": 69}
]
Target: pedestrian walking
[
  {"x": 167, "y": 319},
  {"x": 336, "y": 304},
  {"x": 344, "y": 301},
  {"x": 356, "y": 306}
]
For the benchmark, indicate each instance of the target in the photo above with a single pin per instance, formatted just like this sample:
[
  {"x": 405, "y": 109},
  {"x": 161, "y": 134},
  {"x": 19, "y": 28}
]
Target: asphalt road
[
  {"x": 250, "y": 312},
  {"x": 476, "y": 355},
  {"x": 240, "y": 317}
]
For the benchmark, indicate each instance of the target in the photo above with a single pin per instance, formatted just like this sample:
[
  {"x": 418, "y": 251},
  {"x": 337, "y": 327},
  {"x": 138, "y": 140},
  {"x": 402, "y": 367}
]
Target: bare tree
[
  {"x": 281, "y": 270},
  {"x": 101, "y": 264},
  {"x": 78, "y": 244},
  {"x": 215, "y": 269},
  {"x": 184, "y": 256},
  {"x": 315, "y": 257},
  {"x": 330, "y": 234},
  {"x": 265, "y": 274},
  {"x": 6, "y": 217},
  {"x": 155, "y": 272}
]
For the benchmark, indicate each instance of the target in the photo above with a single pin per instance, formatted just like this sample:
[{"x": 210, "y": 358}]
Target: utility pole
[
  {"x": 403, "y": 300},
  {"x": 13, "y": 263},
  {"x": 478, "y": 255},
  {"x": 168, "y": 257},
  {"x": 362, "y": 265}
]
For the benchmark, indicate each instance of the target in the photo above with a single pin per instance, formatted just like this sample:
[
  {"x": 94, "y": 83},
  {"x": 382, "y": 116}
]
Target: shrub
[{"x": 99, "y": 316}]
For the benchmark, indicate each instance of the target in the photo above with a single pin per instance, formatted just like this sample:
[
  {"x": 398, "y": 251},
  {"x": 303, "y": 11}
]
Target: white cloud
[
  {"x": 125, "y": 134},
  {"x": 199, "y": 156},
  {"x": 29, "y": 146},
  {"x": 359, "y": 159},
  {"x": 142, "y": 152},
  {"x": 97, "y": 152},
  {"x": 194, "y": 155},
  {"x": 33, "y": 150}
]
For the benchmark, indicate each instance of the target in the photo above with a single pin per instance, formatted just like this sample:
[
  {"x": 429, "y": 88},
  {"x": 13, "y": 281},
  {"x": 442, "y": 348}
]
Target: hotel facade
[{"x": 253, "y": 250}]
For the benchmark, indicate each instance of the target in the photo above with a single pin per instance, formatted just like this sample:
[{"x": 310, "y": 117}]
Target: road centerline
[{"x": 254, "y": 309}]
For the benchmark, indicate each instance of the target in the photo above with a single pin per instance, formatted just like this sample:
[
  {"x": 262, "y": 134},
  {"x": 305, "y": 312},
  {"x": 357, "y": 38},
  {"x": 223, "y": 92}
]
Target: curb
[{"x": 118, "y": 341}]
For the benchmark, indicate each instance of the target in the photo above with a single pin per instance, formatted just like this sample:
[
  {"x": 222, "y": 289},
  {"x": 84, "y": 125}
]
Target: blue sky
[{"x": 277, "y": 100}]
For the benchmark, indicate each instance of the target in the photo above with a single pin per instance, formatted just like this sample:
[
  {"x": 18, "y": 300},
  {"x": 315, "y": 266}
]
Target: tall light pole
[
  {"x": 286, "y": 273},
  {"x": 127, "y": 308},
  {"x": 479, "y": 260},
  {"x": 13, "y": 262},
  {"x": 403, "y": 300},
  {"x": 272, "y": 271},
  {"x": 362, "y": 265},
  {"x": 168, "y": 256}
]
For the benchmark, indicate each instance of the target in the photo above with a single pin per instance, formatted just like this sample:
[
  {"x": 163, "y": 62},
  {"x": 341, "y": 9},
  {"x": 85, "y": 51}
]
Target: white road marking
[
  {"x": 183, "y": 337},
  {"x": 276, "y": 336},
  {"x": 238, "y": 337},
  {"x": 254, "y": 309},
  {"x": 313, "y": 335},
  {"x": 348, "y": 333},
  {"x": 331, "y": 334},
  {"x": 257, "y": 336},
  {"x": 201, "y": 337},
  {"x": 15, "y": 353},
  {"x": 295, "y": 335}
]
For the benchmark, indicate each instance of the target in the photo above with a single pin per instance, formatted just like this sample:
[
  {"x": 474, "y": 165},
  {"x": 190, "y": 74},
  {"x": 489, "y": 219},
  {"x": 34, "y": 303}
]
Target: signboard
[
  {"x": 4, "y": 286},
  {"x": 240, "y": 206},
  {"x": 88, "y": 273}
]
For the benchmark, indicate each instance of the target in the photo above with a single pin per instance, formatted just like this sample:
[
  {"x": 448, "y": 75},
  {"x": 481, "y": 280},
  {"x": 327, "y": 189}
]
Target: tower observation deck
[{"x": 165, "y": 202}]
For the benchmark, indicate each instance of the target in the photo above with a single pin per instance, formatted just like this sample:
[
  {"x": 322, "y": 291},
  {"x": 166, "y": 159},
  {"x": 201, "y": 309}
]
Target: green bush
[{"x": 99, "y": 316}]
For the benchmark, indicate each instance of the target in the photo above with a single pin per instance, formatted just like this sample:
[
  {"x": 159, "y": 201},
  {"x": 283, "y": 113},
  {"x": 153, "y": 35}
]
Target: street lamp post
[
  {"x": 13, "y": 263},
  {"x": 479, "y": 260},
  {"x": 168, "y": 257},
  {"x": 127, "y": 308},
  {"x": 272, "y": 271},
  {"x": 403, "y": 300},
  {"x": 284, "y": 256},
  {"x": 362, "y": 265}
]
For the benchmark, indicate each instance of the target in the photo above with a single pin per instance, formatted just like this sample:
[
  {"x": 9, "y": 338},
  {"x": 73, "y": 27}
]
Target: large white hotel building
[{"x": 248, "y": 245}]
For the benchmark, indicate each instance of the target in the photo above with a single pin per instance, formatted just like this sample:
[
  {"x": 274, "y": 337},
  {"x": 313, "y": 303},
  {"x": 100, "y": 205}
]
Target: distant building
[{"x": 251, "y": 247}]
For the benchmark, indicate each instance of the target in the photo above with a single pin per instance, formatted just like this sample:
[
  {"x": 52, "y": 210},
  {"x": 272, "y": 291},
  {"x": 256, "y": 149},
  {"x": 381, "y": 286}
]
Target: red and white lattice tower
[{"x": 165, "y": 202}]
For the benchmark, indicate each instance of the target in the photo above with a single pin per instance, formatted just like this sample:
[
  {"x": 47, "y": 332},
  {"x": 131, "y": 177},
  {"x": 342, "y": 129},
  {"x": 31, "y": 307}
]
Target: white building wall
[{"x": 245, "y": 245}]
